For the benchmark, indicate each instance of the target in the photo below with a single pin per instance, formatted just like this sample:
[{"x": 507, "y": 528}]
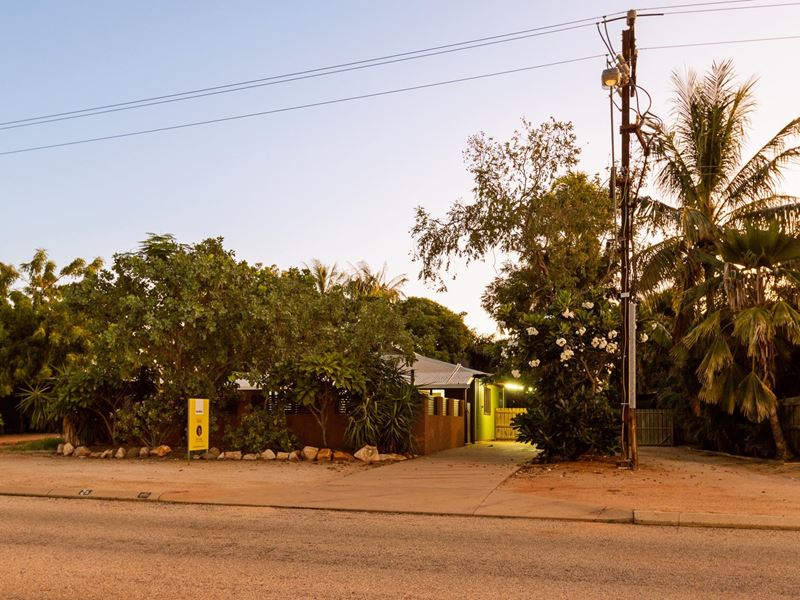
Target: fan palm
[
  {"x": 758, "y": 266},
  {"x": 364, "y": 282},
  {"x": 708, "y": 189}
]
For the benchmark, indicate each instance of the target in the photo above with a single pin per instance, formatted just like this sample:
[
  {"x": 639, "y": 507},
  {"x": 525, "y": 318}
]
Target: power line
[
  {"x": 729, "y": 8},
  {"x": 302, "y": 106},
  {"x": 691, "y": 4},
  {"x": 376, "y": 94},
  {"x": 276, "y": 80},
  {"x": 723, "y": 42},
  {"x": 320, "y": 71}
]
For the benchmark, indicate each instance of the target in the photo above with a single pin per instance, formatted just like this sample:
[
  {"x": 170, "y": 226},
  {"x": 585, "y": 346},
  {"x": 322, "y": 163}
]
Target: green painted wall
[{"x": 484, "y": 424}]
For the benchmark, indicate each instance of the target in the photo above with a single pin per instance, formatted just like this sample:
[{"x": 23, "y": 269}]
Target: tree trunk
[
  {"x": 781, "y": 448},
  {"x": 70, "y": 432}
]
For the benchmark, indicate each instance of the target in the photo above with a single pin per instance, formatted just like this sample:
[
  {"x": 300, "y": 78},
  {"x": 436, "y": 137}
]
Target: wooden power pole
[{"x": 627, "y": 302}]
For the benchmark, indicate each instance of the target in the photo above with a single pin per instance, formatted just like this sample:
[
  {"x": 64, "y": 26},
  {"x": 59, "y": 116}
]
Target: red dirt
[{"x": 671, "y": 479}]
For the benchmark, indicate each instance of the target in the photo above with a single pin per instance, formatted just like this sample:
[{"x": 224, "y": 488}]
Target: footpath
[{"x": 487, "y": 479}]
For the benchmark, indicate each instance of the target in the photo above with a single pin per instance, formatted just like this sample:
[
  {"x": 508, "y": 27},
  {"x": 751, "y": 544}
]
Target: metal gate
[
  {"x": 502, "y": 423},
  {"x": 654, "y": 427}
]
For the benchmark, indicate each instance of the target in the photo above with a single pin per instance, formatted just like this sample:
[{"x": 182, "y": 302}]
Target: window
[{"x": 487, "y": 402}]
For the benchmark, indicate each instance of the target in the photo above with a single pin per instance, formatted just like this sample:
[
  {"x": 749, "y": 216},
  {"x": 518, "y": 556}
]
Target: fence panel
[
  {"x": 502, "y": 423},
  {"x": 654, "y": 427},
  {"x": 791, "y": 422}
]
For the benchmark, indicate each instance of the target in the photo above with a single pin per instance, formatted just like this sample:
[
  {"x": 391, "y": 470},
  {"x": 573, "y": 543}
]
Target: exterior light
[
  {"x": 513, "y": 386},
  {"x": 611, "y": 77}
]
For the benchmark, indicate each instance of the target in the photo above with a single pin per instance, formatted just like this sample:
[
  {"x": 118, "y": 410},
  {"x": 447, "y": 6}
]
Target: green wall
[{"x": 484, "y": 424}]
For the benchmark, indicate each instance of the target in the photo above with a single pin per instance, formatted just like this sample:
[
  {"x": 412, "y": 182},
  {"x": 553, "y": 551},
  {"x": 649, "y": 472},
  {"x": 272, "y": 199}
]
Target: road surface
[{"x": 51, "y": 548}]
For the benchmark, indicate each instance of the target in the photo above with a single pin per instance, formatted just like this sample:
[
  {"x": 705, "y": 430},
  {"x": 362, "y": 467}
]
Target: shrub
[
  {"x": 261, "y": 429},
  {"x": 566, "y": 427},
  {"x": 151, "y": 421}
]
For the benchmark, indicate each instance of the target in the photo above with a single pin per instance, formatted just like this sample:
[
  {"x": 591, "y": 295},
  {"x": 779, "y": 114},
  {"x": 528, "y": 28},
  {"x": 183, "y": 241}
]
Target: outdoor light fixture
[
  {"x": 611, "y": 77},
  {"x": 513, "y": 386}
]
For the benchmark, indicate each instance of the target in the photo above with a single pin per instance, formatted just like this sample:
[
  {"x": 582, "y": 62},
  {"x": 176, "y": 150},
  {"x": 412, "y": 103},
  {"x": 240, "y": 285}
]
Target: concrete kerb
[{"x": 638, "y": 517}]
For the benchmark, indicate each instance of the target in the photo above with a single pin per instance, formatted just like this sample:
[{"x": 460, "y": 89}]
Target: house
[{"x": 459, "y": 408}]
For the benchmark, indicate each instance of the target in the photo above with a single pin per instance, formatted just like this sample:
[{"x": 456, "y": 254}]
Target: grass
[{"x": 46, "y": 445}]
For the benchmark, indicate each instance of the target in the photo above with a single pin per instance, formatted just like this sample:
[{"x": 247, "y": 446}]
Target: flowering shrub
[{"x": 568, "y": 353}]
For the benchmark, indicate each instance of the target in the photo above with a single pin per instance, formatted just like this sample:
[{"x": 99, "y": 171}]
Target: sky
[{"x": 339, "y": 182}]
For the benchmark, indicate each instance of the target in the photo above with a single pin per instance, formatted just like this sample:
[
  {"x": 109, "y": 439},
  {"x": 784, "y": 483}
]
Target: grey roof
[{"x": 431, "y": 373}]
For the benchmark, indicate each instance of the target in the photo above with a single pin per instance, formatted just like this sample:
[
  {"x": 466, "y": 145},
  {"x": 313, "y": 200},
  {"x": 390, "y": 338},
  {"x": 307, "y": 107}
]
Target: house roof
[
  {"x": 432, "y": 373},
  {"x": 429, "y": 373}
]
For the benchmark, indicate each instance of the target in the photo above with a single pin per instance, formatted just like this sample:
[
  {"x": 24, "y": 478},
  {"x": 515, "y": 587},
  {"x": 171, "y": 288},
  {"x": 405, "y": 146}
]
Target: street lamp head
[{"x": 611, "y": 77}]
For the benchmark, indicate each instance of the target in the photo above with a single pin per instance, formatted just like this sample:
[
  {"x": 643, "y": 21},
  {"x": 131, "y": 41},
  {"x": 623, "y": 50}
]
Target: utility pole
[{"x": 627, "y": 303}]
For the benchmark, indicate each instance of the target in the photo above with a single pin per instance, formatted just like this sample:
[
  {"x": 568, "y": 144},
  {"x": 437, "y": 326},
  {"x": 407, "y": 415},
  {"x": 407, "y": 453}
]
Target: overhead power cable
[
  {"x": 303, "y": 106},
  {"x": 270, "y": 81},
  {"x": 331, "y": 69},
  {"x": 376, "y": 94},
  {"x": 729, "y": 8}
]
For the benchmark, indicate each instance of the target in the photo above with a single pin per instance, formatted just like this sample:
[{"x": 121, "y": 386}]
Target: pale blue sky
[{"x": 339, "y": 183}]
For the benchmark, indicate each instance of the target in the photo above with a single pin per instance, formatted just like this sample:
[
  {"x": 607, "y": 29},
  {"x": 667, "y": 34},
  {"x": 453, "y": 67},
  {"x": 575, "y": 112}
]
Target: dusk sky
[{"x": 337, "y": 182}]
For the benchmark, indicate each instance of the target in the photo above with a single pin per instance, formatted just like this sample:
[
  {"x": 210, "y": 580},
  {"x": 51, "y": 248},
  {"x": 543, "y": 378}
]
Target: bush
[
  {"x": 566, "y": 427},
  {"x": 261, "y": 429},
  {"x": 151, "y": 421}
]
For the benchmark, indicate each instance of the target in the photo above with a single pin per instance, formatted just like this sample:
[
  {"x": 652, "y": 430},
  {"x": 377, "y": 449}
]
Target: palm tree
[
  {"x": 364, "y": 282},
  {"x": 759, "y": 269},
  {"x": 707, "y": 187},
  {"x": 325, "y": 277}
]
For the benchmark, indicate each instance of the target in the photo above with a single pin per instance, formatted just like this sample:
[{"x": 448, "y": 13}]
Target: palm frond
[
  {"x": 756, "y": 400},
  {"x": 657, "y": 263},
  {"x": 782, "y": 210},
  {"x": 707, "y": 329},
  {"x": 785, "y": 317},
  {"x": 754, "y": 329}
]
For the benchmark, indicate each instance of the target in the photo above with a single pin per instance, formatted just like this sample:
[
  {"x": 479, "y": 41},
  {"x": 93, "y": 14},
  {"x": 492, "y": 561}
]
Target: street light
[{"x": 611, "y": 77}]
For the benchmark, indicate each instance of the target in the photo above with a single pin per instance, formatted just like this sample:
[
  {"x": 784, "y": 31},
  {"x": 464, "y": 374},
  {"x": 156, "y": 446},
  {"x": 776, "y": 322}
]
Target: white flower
[
  {"x": 534, "y": 363},
  {"x": 588, "y": 305},
  {"x": 566, "y": 355},
  {"x": 603, "y": 343},
  {"x": 595, "y": 342},
  {"x": 533, "y": 331},
  {"x": 612, "y": 334},
  {"x": 561, "y": 342},
  {"x": 643, "y": 338},
  {"x": 581, "y": 330},
  {"x": 568, "y": 314},
  {"x": 653, "y": 326},
  {"x": 611, "y": 348},
  {"x": 512, "y": 343},
  {"x": 504, "y": 353},
  {"x": 515, "y": 373}
]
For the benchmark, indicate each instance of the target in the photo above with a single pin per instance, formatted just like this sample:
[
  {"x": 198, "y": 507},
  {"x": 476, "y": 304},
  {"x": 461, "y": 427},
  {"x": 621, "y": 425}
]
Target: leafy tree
[
  {"x": 507, "y": 214},
  {"x": 740, "y": 339},
  {"x": 438, "y": 332}
]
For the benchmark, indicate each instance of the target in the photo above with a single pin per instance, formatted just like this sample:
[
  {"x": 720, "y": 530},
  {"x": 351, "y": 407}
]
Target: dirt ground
[
  {"x": 671, "y": 479},
  {"x": 16, "y": 438}
]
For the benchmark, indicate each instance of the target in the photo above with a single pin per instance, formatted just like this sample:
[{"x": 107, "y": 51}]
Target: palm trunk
[{"x": 781, "y": 448}]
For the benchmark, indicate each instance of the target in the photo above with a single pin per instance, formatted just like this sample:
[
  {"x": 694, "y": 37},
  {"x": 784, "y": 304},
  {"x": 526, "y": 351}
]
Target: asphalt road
[{"x": 95, "y": 549}]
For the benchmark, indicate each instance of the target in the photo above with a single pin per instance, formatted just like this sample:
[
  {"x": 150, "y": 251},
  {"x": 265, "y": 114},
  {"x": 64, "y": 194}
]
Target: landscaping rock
[
  {"x": 310, "y": 453},
  {"x": 282, "y": 456},
  {"x": 214, "y": 452},
  {"x": 368, "y": 454},
  {"x": 107, "y": 453},
  {"x": 250, "y": 457},
  {"x": 268, "y": 454},
  {"x": 231, "y": 455},
  {"x": 60, "y": 449},
  {"x": 144, "y": 452},
  {"x": 394, "y": 457},
  {"x": 295, "y": 455},
  {"x": 161, "y": 451},
  {"x": 120, "y": 453},
  {"x": 81, "y": 451},
  {"x": 341, "y": 456},
  {"x": 132, "y": 453},
  {"x": 324, "y": 455},
  {"x": 68, "y": 449},
  {"x": 95, "y": 455}
]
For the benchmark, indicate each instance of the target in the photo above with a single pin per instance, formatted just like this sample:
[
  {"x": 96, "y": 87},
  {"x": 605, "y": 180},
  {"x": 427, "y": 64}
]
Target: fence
[
  {"x": 502, "y": 423},
  {"x": 654, "y": 427},
  {"x": 791, "y": 422}
]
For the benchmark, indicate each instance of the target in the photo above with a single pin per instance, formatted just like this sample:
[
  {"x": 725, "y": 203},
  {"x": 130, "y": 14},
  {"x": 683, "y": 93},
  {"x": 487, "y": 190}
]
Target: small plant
[
  {"x": 261, "y": 429},
  {"x": 151, "y": 421}
]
